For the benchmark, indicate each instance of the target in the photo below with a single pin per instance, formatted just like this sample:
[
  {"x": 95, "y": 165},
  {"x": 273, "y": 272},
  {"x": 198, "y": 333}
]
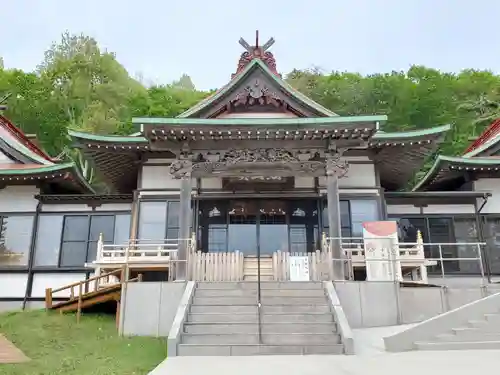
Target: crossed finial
[{"x": 251, "y": 49}]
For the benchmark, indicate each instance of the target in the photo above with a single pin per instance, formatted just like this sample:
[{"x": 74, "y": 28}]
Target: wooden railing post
[
  {"x": 48, "y": 298},
  {"x": 79, "y": 307}
]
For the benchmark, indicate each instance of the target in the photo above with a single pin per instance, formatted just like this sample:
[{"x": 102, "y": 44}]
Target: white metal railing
[{"x": 403, "y": 261}]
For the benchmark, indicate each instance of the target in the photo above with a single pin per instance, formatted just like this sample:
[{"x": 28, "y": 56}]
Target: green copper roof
[
  {"x": 257, "y": 63},
  {"x": 381, "y": 135},
  {"x": 296, "y": 121},
  {"x": 54, "y": 168},
  {"x": 440, "y": 167},
  {"x": 108, "y": 138}
]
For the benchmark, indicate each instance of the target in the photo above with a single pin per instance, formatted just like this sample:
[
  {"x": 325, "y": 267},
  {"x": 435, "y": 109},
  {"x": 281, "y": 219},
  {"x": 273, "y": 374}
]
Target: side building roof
[
  {"x": 26, "y": 163},
  {"x": 481, "y": 159}
]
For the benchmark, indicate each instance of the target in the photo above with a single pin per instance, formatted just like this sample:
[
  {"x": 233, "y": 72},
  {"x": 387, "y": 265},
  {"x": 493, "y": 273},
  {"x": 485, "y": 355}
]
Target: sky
[{"x": 160, "y": 40}]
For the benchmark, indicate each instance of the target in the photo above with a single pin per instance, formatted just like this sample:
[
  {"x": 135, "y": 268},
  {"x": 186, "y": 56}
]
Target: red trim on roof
[
  {"x": 4, "y": 121},
  {"x": 492, "y": 131}
]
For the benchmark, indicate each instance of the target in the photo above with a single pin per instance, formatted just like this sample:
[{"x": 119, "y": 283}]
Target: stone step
[
  {"x": 263, "y": 292},
  {"x": 265, "y": 318},
  {"x": 256, "y": 277},
  {"x": 264, "y": 285},
  {"x": 493, "y": 319},
  {"x": 480, "y": 324},
  {"x": 267, "y": 339},
  {"x": 255, "y": 264},
  {"x": 243, "y": 328},
  {"x": 471, "y": 336},
  {"x": 252, "y": 300},
  {"x": 463, "y": 345},
  {"x": 243, "y": 350},
  {"x": 255, "y": 272},
  {"x": 483, "y": 328},
  {"x": 252, "y": 309}
]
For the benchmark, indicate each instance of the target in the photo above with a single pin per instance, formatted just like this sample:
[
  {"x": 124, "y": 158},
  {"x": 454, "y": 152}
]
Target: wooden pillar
[
  {"x": 335, "y": 169},
  {"x": 184, "y": 228}
]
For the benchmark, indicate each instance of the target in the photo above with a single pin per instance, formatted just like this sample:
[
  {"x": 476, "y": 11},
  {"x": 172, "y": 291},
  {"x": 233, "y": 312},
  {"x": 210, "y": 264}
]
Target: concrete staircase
[
  {"x": 251, "y": 266},
  {"x": 222, "y": 319},
  {"x": 476, "y": 334},
  {"x": 475, "y": 325}
]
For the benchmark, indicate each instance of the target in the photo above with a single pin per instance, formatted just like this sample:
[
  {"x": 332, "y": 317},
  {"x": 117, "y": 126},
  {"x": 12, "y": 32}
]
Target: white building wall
[
  {"x": 42, "y": 281},
  {"x": 18, "y": 199},
  {"x": 402, "y": 209},
  {"x": 13, "y": 285},
  {"x": 358, "y": 175},
  {"x": 159, "y": 177},
  {"x": 491, "y": 185}
]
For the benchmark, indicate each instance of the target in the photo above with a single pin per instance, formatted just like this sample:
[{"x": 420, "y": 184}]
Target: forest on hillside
[{"x": 79, "y": 86}]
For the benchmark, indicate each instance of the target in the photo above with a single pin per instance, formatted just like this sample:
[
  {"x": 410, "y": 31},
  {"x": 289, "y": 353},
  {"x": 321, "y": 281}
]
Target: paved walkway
[
  {"x": 370, "y": 359},
  {"x": 9, "y": 353}
]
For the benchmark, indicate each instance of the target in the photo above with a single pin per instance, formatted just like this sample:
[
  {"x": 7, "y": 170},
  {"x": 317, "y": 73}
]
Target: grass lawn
[{"x": 56, "y": 344}]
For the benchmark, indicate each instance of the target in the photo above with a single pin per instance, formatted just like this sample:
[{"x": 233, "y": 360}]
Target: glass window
[
  {"x": 345, "y": 218},
  {"x": 76, "y": 228},
  {"x": 122, "y": 229},
  {"x": 493, "y": 240},
  {"x": 217, "y": 238},
  {"x": 362, "y": 211},
  {"x": 15, "y": 240},
  {"x": 48, "y": 240},
  {"x": 173, "y": 215},
  {"x": 465, "y": 232},
  {"x": 409, "y": 227},
  {"x": 73, "y": 254},
  {"x": 104, "y": 224},
  {"x": 152, "y": 220}
]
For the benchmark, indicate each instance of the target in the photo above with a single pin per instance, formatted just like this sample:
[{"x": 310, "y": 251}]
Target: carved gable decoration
[{"x": 257, "y": 92}]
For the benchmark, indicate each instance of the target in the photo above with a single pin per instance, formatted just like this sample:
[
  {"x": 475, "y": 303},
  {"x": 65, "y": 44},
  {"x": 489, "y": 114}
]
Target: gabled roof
[
  {"x": 257, "y": 63},
  {"x": 450, "y": 170},
  {"x": 31, "y": 164}
]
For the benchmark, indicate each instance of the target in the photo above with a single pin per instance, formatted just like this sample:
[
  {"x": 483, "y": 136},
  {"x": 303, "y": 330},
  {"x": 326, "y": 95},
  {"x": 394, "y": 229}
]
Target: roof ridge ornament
[{"x": 256, "y": 52}]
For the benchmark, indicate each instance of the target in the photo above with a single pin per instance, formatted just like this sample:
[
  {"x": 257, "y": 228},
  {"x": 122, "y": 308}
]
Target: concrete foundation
[
  {"x": 379, "y": 304},
  {"x": 148, "y": 309}
]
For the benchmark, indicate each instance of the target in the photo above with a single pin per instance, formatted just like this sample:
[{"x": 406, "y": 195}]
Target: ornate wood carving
[
  {"x": 257, "y": 93},
  {"x": 264, "y": 154},
  {"x": 181, "y": 168},
  {"x": 335, "y": 165},
  {"x": 259, "y": 162}
]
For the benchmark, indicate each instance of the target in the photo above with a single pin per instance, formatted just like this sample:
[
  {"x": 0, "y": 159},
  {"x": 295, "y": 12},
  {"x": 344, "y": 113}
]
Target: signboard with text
[{"x": 299, "y": 268}]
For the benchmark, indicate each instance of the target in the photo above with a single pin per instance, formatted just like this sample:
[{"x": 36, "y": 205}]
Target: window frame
[
  {"x": 167, "y": 201},
  {"x": 65, "y": 215},
  {"x": 33, "y": 215},
  {"x": 426, "y": 236}
]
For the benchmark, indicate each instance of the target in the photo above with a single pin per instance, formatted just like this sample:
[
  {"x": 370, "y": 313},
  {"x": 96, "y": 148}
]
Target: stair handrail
[{"x": 49, "y": 291}]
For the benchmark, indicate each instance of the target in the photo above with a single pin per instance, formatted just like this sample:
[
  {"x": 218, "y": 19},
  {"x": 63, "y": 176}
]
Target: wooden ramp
[{"x": 90, "y": 292}]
